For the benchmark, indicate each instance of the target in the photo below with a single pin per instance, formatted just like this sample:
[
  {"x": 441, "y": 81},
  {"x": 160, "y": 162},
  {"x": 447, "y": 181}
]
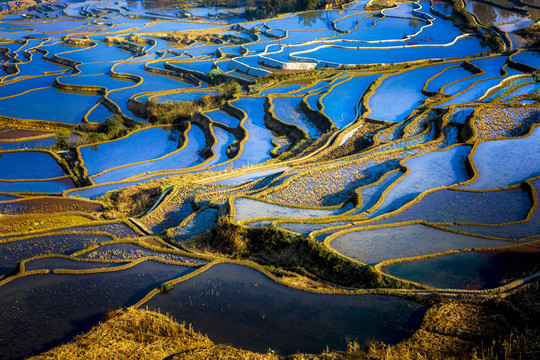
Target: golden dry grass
[
  {"x": 139, "y": 334},
  {"x": 27, "y": 224},
  {"x": 465, "y": 321}
]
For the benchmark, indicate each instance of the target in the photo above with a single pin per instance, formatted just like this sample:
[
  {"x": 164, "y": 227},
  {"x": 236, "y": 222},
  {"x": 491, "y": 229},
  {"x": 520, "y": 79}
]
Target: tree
[
  {"x": 62, "y": 139},
  {"x": 308, "y": 4},
  {"x": 214, "y": 74},
  {"x": 230, "y": 89},
  {"x": 112, "y": 125}
]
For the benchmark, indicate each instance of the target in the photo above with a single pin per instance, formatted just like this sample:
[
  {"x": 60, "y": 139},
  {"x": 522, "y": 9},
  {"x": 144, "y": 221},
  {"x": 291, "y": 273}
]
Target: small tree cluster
[
  {"x": 228, "y": 237},
  {"x": 62, "y": 139},
  {"x": 215, "y": 75},
  {"x": 112, "y": 126},
  {"x": 231, "y": 89},
  {"x": 271, "y": 8}
]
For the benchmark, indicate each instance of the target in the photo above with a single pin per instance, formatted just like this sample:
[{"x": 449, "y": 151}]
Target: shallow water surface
[
  {"x": 12, "y": 252},
  {"x": 373, "y": 246},
  {"x": 74, "y": 303},
  {"x": 241, "y": 307},
  {"x": 470, "y": 270}
]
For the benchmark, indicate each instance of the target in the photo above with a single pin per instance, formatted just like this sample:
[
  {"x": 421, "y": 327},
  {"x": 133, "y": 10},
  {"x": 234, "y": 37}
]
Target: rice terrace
[{"x": 269, "y": 179}]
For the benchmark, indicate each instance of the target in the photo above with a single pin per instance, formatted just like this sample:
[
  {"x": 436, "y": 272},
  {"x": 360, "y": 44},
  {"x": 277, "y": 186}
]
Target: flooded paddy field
[{"x": 295, "y": 181}]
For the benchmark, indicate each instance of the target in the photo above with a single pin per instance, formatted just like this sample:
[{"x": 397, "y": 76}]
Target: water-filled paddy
[
  {"x": 99, "y": 114},
  {"x": 48, "y": 104},
  {"x": 382, "y": 164},
  {"x": 341, "y": 102},
  {"x": 310, "y": 20},
  {"x": 470, "y": 270},
  {"x": 186, "y": 157},
  {"x": 289, "y": 111},
  {"x": 490, "y": 15},
  {"x": 38, "y": 67},
  {"x": 447, "y": 76},
  {"x": 328, "y": 55},
  {"x": 312, "y": 101},
  {"x": 249, "y": 177},
  {"x": 479, "y": 90},
  {"x": 150, "y": 83},
  {"x": 140, "y": 146},
  {"x": 427, "y": 171},
  {"x": 257, "y": 147},
  {"x": 77, "y": 303},
  {"x": 17, "y": 87},
  {"x": 523, "y": 229},
  {"x": 30, "y": 144},
  {"x": 48, "y": 186},
  {"x": 249, "y": 209},
  {"x": 398, "y": 95},
  {"x": 491, "y": 66},
  {"x": 372, "y": 193},
  {"x": 95, "y": 80},
  {"x": 374, "y": 246},
  {"x": 518, "y": 157},
  {"x": 52, "y": 263},
  {"x": 4, "y": 197},
  {"x": 522, "y": 90},
  {"x": 29, "y": 165},
  {"x": 531, "y": 58},
  {"x": 133, "y": 252},
  {"x": 202, "y": 221},
  {"x": 473, "y": 207},
  {"x": 12, "y": 252},
  {"x": 265, "y": 314},
  {"x": 223, "y": 140}
]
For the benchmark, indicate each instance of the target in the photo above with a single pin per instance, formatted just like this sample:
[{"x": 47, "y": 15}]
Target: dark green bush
[
  {"x": 112, "y": 126},
  {"x": 228, "y": 238}
]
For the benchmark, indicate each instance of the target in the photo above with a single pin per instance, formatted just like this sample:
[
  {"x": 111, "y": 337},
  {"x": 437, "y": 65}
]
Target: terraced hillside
[{"x": 346, "y": 169}]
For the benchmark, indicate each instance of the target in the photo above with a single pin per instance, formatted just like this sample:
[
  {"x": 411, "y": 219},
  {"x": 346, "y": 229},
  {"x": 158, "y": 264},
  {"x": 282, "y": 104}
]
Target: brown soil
[
  {"x": 18, "y": 134},
  {"x": 49, "y": 206}
]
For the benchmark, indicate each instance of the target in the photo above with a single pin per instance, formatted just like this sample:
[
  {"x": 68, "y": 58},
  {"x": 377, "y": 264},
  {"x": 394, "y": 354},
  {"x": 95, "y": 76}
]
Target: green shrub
[
  {"x": 62, "y": 139},
  {"x": 165, "y": 288},
  {"x": 112, "y": 126},
  {"x": 268, "y": 238},
  {"x": 230, "y": 89},
  {"x": 215, "y": 74},
  {"x": 228, "y": 238}
]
